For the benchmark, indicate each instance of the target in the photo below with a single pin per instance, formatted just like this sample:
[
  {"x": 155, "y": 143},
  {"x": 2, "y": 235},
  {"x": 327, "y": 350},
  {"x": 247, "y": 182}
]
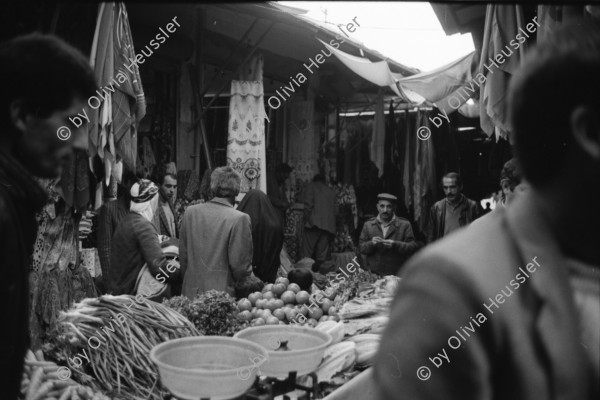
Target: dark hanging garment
[{"x": 267, "y": 234}]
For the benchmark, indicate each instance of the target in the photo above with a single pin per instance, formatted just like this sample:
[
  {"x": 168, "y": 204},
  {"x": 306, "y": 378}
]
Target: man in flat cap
[{"x": 386, "y": 241}]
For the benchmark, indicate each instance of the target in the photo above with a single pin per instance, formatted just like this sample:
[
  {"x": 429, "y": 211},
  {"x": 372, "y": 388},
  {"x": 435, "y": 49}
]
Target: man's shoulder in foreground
[{"x": 481, "y": 251}]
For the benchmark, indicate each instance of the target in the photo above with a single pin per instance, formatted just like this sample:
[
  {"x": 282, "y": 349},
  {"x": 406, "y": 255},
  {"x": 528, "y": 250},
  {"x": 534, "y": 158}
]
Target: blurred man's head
[
  {"x": 554, "y": 109},
  {"x": 225, "y": 182},
  {"x": 510, "y": 177},
  {"x": 452, "y": 186},
  {"x": 44, "y": 81},
  {"x": 386, "y": 206},
  {"x": 168, "y": 186}
]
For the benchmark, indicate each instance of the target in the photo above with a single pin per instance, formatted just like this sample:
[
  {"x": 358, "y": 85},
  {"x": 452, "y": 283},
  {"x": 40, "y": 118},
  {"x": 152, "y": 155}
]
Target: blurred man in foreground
[
  {"x": 44, "y": 82},
  {"x": 510, "y": 308}
]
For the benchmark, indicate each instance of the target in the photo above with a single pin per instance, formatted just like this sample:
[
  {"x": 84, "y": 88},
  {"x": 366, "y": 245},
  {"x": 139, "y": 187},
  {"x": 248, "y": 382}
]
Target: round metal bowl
[
  {"x": 290, "y": 348},
  {"x": 208, "y": 366}
]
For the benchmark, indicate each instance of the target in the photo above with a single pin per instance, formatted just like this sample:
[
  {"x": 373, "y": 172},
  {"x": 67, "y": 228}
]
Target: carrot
[
  {"x": 43, "y": 391},
  {"x": 30, "y": 356},
  {"x": 39, "y": 355},
  {"x": 66, "y": 394},
  {"x": 40, "y": 363},
  {"x": 36, "y": 381}
]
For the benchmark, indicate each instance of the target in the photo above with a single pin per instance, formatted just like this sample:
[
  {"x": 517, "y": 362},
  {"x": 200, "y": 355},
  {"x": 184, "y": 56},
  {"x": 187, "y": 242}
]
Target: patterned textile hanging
[
  {"x": 302, "y": 146},
  {"x": 246, "y": 151}
]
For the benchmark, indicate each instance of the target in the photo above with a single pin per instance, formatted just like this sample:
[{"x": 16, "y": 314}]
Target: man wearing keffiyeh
[{"x": 136, "y": 243}]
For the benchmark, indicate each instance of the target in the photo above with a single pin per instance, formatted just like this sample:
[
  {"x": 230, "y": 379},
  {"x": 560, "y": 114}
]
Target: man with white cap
[
  {"x": 386, "y": 241},
  {"x": 136, "y": 243}
]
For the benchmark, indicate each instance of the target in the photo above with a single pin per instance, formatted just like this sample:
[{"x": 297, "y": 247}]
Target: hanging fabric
[
  {"x": 246, "y": 149},
  {"x": 120, "y": 98},
  {"x": 502, "y": 23},
  {"x": 302, "y": 146},
  {"x": 378, "y": 135}
]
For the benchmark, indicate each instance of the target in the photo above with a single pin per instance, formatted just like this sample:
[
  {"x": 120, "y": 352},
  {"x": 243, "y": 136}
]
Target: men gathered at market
[
  {"x": 510, "y": 307},
  {"x": 452, "y": 212},
  {"x": 165, "y": 220},
  {"x": 216, "y": 239},
  {"x": 44, "y": 81},
  {"x": 386, "y": 241},
  {"x": 136, "y": 249},
  {"x": 320, "y": 225}
]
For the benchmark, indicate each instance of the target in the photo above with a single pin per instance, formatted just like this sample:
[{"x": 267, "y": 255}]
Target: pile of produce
[
  {"x": 353, "y": 285},
  {"x": 45, "y": 380},
  {"x": 110, "y": 338},
  {"x": 284, "y": 303},
  {"x": 213, "y": 313}
]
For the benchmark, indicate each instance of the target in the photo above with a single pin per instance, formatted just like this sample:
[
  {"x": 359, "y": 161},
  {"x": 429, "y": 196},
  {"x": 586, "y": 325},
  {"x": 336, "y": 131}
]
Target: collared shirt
[
  {"x": 385, "y": 226},
  {"x": 453, "y": 212}
]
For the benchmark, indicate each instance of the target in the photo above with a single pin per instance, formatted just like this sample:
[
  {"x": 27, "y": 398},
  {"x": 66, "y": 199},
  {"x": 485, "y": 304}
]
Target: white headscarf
[{"x": 144, "y": 190}]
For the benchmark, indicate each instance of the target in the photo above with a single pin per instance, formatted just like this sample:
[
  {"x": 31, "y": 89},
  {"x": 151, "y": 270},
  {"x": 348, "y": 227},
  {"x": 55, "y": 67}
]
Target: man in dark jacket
[
  {"x": 453, "y": 212},
  {"x": 44, "y": 81},
  {"x": 109, "y": 216},
  {"x": 165, "y": 219},
  {"x": 136, "y": 243},
  {"x": 387, "y": 240}
]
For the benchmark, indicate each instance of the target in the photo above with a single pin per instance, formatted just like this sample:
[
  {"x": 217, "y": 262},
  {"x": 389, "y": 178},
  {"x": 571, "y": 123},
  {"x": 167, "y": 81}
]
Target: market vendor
[
  {"x": 216, "y": 239},
  {"x": 386, "y": 241},
  {"x": 136, "y": 243}
]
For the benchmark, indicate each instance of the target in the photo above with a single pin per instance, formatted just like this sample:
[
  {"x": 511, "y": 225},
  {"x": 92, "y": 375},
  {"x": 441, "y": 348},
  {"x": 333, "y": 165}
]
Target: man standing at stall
[
  {"x": 165, "y": 217},
  {"x": 386, "y": 241},
  {"x": 453, "y": 212},
  {"x": 510, "y": 307},
  {"x": 44, "y": 82},
  {"x": 215, "y": 244},
  {"x": 319, "y": 228}
]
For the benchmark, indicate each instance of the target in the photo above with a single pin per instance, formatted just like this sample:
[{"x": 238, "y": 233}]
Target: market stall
[{"x": 316, "y": 342}]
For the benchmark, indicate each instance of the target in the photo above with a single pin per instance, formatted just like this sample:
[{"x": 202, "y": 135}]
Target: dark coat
[
  {"x": 529, "y": 345},
  {"x": 134, "y": 243},
  {"x": 162, "y": 223},
  {"x": 382, "y": 260},
  {"x": 437, "y": 218},
  {"x": 267, "y": 234},
  {"x": 21, "y": 197}
]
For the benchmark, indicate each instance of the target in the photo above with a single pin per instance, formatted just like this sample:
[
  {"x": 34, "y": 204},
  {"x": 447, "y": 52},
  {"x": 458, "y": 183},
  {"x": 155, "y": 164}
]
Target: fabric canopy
[
  {"x": 435, "y": 86},
  {"x": 441, "y": 82},
  {"x": 375, "y": 72}
]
